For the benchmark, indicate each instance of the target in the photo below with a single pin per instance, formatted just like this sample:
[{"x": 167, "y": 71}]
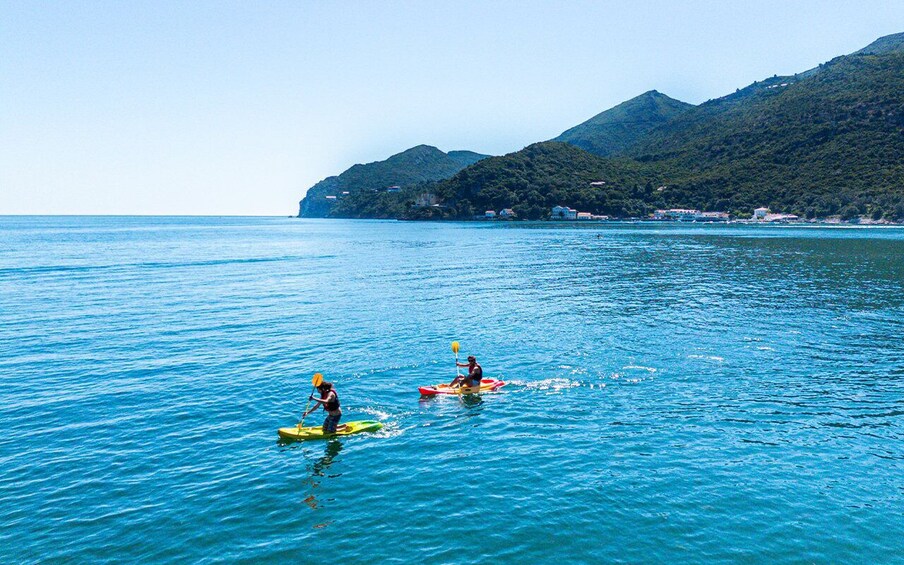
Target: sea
[{"x": 676, "y": 393}]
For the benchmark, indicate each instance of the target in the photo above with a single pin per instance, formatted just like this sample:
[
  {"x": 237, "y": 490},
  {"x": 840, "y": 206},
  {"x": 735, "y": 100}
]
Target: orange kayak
[{"x": 486, "y": 385}]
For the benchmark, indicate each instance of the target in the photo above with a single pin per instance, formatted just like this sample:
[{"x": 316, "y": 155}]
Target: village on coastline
[
  {"x": 760, "y": 215},
  {"x": 567, "y": 214},
  {"x": 560, "y": 213}
]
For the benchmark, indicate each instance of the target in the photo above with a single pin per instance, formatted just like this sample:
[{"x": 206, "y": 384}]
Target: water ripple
[{"x": 676, "y": 393}]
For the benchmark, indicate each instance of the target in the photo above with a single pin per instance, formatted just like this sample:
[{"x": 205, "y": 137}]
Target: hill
[
  {"x": 831, "y": 142},
  {"x": 618, "y": 128},
  {"x": 548, "y": 174},
  {"x": 886, "y": 44},
  {"x": 826, "y": 142},
  {"x": 406, "y": 169}
]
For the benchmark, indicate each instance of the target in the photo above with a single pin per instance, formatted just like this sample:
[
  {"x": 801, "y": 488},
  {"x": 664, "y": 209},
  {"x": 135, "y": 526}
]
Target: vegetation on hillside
[
  {"x": 620, "y": 127},
  {"x": 829, "y": 141},
  {"x": 827, "y": 144},
  {"x": 406, "y": 169},
  {"x": 548, "y": 174}
]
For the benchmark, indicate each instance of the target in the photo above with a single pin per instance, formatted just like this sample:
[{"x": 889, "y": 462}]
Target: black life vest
[{"x": 333, "y": 403}]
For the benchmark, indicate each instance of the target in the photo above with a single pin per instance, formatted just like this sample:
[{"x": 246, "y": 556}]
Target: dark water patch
[{"x": 72, "y": 271}]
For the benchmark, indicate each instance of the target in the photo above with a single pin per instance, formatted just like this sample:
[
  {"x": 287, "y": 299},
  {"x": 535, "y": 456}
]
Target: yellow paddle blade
[
  {"x": 318, "y": 378},
  {"x": 455, "y": 347}
]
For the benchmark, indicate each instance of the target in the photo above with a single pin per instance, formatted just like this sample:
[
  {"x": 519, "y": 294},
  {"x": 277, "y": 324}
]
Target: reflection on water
[
  {"x": 472, "y": 401},
  {"x": 318, "y": 470},
  {"x": 467, "y": 400}
]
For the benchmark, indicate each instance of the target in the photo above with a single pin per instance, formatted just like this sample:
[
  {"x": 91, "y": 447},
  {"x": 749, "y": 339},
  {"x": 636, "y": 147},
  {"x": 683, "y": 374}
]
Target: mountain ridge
[
  {"x": 824, "y": 142},
  {"x": 885, "y": 44},
  {"x": 619, "y": 127}
]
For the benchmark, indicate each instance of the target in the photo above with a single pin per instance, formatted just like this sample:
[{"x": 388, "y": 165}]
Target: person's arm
[
  {"x": 320, "y": 402},
  {"x": 461, "y": 364}
]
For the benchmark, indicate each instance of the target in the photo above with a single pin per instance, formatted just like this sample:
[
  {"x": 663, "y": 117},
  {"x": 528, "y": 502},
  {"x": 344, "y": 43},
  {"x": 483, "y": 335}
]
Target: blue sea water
[{"x": 677, "y": 394}]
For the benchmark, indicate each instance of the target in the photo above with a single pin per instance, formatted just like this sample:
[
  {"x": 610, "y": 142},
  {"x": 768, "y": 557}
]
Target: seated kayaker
[
  {"x": 329, "y": 399},
  {"x": 475, "y": 373}
]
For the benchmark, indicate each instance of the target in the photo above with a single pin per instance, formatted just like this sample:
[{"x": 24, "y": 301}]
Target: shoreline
[{"x": 799, "y": 223}]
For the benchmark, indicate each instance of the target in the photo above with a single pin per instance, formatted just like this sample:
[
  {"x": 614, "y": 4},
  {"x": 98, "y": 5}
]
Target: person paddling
[
  {"x": 475, "y": 373},
  {"x": 329, "y": 399}
]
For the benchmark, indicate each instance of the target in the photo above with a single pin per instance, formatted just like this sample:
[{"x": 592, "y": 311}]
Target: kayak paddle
[
  {"x": 455, "y": 351},
  {"x": 316, "y": 380}
]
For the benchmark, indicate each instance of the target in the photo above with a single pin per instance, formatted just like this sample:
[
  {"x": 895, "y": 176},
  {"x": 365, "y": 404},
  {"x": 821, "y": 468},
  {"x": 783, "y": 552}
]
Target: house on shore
[
  {"x": 764, "y": 215},
  {"x": 713, "y": 217},
  {"x": 507, "y": 213},
  {"x": 563, "y": 213},
  {"x": 780, "y": 218},
  {"x": 425, "y": 199},
  {"x": 687, "y": 215},
  {"x": 676, "y": 215},
  {"x": 489, "y": 214}
]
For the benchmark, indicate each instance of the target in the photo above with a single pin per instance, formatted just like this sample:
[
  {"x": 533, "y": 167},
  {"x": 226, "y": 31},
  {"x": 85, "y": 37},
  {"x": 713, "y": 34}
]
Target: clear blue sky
[{"x": 237, "y": 108}]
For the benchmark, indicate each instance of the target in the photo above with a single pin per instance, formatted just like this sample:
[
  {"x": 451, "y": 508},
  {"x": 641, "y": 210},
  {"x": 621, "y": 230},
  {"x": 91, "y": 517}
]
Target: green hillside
[
  {"x": 548, "y": 174},
  {"x": 620, "y": 127},
  {"x": 887, "y": 44},
  {"x": 828, "y": 141},
  {"x": 406, "y": 169}
]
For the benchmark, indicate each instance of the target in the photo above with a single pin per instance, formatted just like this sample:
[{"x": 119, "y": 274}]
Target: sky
[{"x": 237, "y": 108}]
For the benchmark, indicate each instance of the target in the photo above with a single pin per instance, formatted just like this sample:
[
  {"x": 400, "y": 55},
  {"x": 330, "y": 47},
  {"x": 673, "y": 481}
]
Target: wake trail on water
[
  {"x": 391, "y": 422},
  {"x": 627, "y": 374},
  {"x": 554, "y": 384}
]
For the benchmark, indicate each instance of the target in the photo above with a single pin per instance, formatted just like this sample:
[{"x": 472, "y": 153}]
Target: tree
[{"x": 849, "y": 212}]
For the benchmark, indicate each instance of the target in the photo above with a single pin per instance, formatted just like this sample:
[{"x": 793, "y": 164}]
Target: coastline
[{"x": 742, "y": 222}]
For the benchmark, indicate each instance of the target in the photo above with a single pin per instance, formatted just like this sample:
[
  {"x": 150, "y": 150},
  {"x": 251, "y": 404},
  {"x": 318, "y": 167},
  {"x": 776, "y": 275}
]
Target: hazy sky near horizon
[{"x": 157, "y": 107}]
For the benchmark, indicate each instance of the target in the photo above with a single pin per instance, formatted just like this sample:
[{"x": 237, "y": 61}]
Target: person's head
[
  {"x": 325, "y": 386},
  {"x": 472, "y": 360}
]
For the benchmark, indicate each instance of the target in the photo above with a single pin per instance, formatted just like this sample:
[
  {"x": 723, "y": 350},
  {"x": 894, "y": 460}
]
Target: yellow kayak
[{"x": 316, "y": 432}]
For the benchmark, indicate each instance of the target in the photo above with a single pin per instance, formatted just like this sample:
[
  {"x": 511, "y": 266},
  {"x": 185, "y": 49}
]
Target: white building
[
  {"x": 563, "y": 213},
  {"x": 425, "y": 199},
  {"x": 780, "y": 218},
  {"x": 584, "y": 216},
  {"x": 489, "y": 214},
  {"x": 507, "y": 213},
  {"x": 760, "y": 213},
  {"x": 684, "y": 214},
  {"x": 677, "y": 215},
  {"x": 687, "y": 215},
  {"x": 713, "y": 217}
]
